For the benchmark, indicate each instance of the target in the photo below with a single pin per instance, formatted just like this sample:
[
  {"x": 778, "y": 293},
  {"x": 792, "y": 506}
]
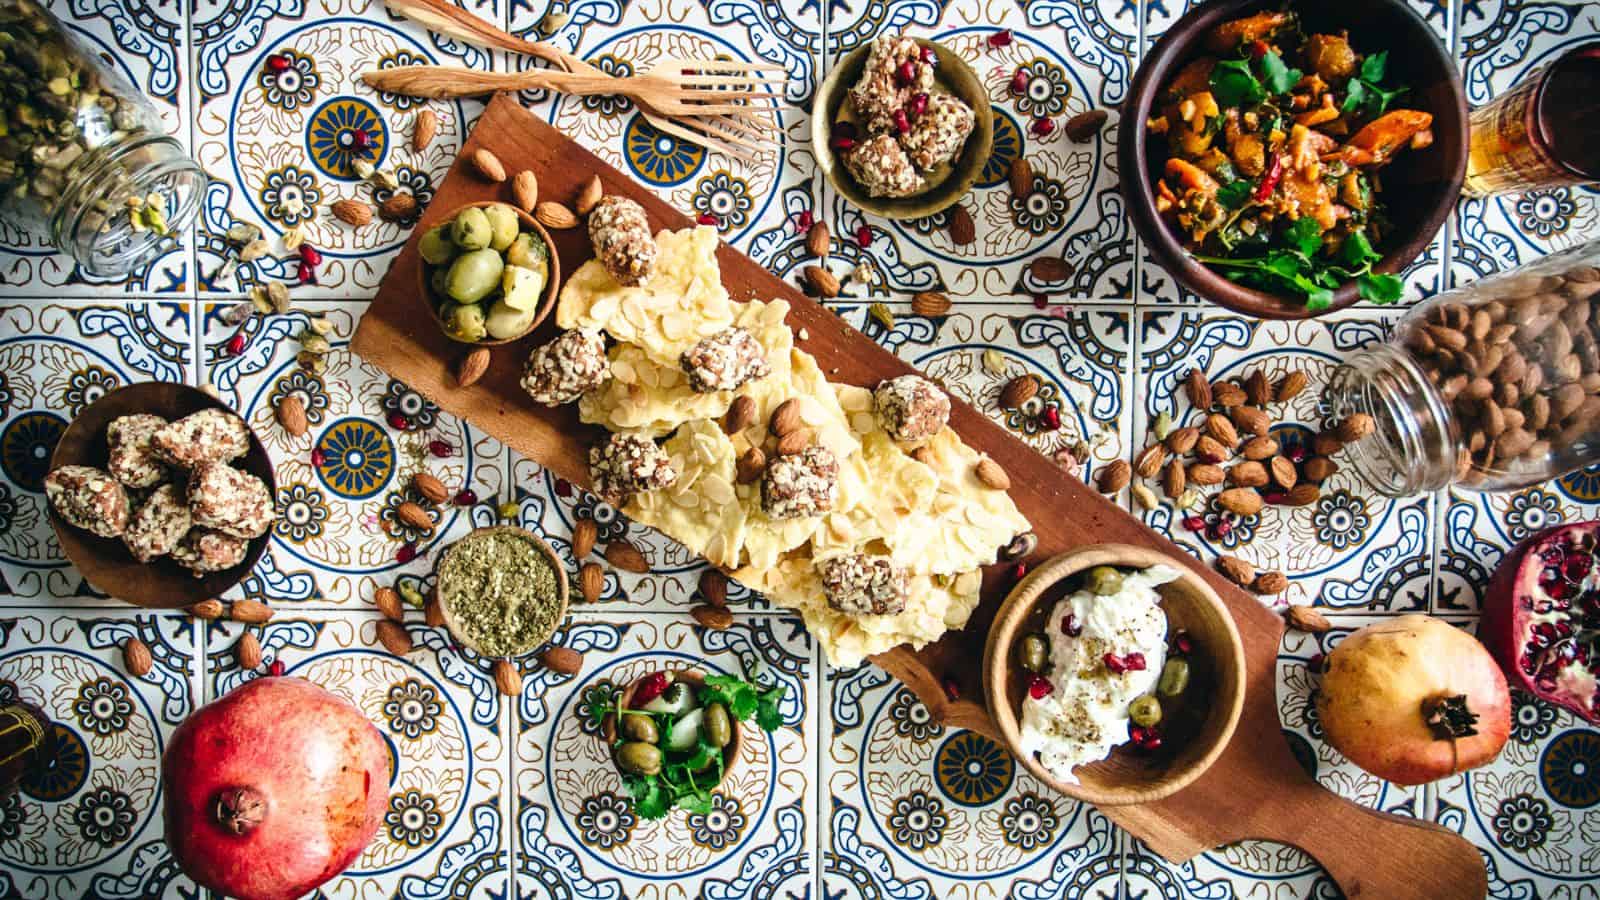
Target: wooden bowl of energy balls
[{"x": 161, "y": 495}]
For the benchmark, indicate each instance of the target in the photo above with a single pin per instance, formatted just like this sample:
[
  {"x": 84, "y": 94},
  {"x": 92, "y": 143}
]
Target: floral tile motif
[
  {"x": 54, "y": 362},
  {"x": 90, "y": 825},
  {"x": 148, "y": 46},
  {"x": 444, "y": 832},
  {"x": 574, "y": 829},
  {"x": 922, "y": 810},
  {"x": 1242, "y": 869},
  {"x": 1501, "y": 44},
  {"x": 339, "y": 536},
  {"x": 755, "y": 204},
  {"x": 284, "y": 117},
  {"x": 1352, "y": 548},
  {"x": 1074, "y": 58},
  {"x": 1534, "y": 812},
  {"x": 1081, "y": 355}
]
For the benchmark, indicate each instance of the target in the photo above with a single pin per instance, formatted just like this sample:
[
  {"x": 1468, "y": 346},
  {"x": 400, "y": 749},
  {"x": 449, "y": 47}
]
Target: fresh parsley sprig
[
  {"x": 1298, "y": 267},
  {"x": 1365, "y": 93},
  {"x": 1235, "y": 82}
]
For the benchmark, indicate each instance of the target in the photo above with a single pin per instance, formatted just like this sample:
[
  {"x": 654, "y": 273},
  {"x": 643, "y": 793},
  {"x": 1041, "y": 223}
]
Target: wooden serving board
[{"x": 1255, "y": 790}]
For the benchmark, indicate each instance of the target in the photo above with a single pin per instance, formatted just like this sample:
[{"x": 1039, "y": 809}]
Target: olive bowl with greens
[
  {"x": 488, "y": 273},
  {"x": 675, "y": 735},
  {"x": 1295, "y": 158}
]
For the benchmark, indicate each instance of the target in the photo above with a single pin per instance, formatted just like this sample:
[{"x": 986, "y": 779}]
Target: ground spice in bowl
[{"x": 502, "y": 591}]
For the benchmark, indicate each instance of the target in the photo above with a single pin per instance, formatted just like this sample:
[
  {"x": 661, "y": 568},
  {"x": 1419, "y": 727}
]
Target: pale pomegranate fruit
[
  {"x": 273, "y": 789},
  {"x": 1413, "y": 699},
  {"x": 1541, "y": 617}
]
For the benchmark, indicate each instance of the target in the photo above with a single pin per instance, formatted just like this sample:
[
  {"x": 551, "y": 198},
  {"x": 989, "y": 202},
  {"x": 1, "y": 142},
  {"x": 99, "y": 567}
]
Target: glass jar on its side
[
  {"x": 82, "y": 156},
  {"x": 1492, "y": 386}
]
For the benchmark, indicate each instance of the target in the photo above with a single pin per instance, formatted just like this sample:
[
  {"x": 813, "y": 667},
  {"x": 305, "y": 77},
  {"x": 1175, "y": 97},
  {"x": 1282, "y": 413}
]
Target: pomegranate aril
[
  {"x": 905, "y": 73},
  {"x": 318, "y": 458},
  {"x": 843, "y": 145},
  {"x": 441, "y": 449},
  {"x": 1138, "y": 733},
  {"x": 1042, "y": 127},
  {"x": 306, "y": 274},
  {"x": 277, "y": 668},
  {"x": 563, "y": 488},
  {"x": 1001, "y": 38},
  {"x": 310, "y": 255},
  {"x": 1039, "y": 687},
  {"x": 952, "y": 691},
  {"x": 804, "y": 221},
  {"x": 864, "y": 236},
  {"x": 844, "y": 129},
  {"x": 902, "y": 122},
  {"x": 1070, "y": 625},
  {"x": 1040, "y": 301},
  {"x": 1182, "y": 643},
  {"x": 1134, "y": 661},
  {"x": 1153, "y": 742},
  {"x": 360, "y": 139},
  {"x": 466, "y": 497},
  {"x": 919, "y": 104},
  {"x": 278, "y": 62},
  {"x": 1114, "y": 663},
  {"x": 1577, "y": 566},
  {"x": 1194, "y": 523},
  {"x": 1221, "y": 529},
  {"x": 1296, "y": 454},
  {"x": 1274, "y": 497},
  {"x": 1019, "y": 82},
  {"x": 1050, "y": 418},
  {"x": 653, "y": 686},
  {"x": 928, "y": 56},
  {"x": 398, "y": 421},
  {"x": 405, "y": 554},
  {"x": 706, "y": 218},
  {"x": 235, "y": 345}
]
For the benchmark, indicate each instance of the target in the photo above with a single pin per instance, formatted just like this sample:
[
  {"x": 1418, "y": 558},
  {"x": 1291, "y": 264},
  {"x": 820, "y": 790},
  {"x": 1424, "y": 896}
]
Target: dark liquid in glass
[{"x": 1569, "y": 111}]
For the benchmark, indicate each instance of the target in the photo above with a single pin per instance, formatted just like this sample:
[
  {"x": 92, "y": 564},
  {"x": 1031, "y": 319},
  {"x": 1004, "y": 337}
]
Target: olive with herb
[
  {"x": 471, "y": 229},
  {"x": 1033, "y": 653},
  {"x": 1103, "y": 580},
  {"x": 636, "y": 727},
  {"x": 1145, "y": 710},
  {"x": 639, "y": 758},
  {"x": 483, "y": 260},
  {"x": 717, "y": 725}
]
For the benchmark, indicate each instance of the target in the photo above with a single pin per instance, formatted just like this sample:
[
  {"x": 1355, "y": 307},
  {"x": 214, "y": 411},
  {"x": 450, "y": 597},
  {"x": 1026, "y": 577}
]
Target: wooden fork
[
  {"x": 740, "y": 134},
  {"x": 672, "y": 87}
]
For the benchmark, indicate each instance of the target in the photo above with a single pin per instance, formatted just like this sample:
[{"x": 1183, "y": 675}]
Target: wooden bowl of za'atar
[{"x": 1193, "y": 734}]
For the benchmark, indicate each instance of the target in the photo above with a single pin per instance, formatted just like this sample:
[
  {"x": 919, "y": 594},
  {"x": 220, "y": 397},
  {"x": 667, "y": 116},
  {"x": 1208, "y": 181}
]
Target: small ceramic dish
[
  {"x": 695, "y": 678},
  {"x": 447, "y": 610},
  {"x": 1193, "y": 735},
  {"x": 953, "y": 75},
  {"x": 105, "y": 563},
  {"x": 547, "y": 303}
]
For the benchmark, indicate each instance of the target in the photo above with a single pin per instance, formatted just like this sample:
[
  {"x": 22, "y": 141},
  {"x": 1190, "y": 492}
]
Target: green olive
[
  {"x": 529, "y": 252},
  {"x": 439, "y": 281},
  {"x": 503, "y": 224},
  {"x": 471, "y": 229},
  {"x": 640, "y": 728},
  {"x": 1103, "y": 580},
  {"x": 1034, "y": 653},
  {"x": 639, "y": 758},
  {"x": 435, "y": 246},
  {"x": 717, "y": 725},
  {"x": 506, "y": 321},
  {"x": 1174, "y": 678},
  {"x": 465, "y": 322},
  {"x": 474, "y": 275},
  {"x": 1145, "y": 710}
]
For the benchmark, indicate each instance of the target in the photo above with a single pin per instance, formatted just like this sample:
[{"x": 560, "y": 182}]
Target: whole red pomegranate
[
  {"x": 1413, "y": 699},
  {"x": 273, "y": 789},
  {"x": 1541, "y": 617}
]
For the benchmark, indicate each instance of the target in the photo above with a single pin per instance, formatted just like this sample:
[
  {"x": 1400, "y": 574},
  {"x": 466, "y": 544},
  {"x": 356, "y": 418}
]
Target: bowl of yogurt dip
[{"x": 1115, "y": 674}]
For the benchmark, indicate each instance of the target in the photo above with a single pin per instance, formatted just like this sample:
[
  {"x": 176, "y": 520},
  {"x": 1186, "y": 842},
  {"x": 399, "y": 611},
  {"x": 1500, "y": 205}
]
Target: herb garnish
[
  {"x": 1300, "y": 268},
  {"x": 1364, "y": 94},
  {"x": 1235, "y": 83},
  {"x": 687, "y": 777}
]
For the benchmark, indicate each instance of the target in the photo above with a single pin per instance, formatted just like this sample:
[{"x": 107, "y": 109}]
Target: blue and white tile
[
  {"x": 148, "y": 45},
  {"x": 90, "y": 825},
  {"x": 54, "y": 361},
  {"x": 1352, "y": 548},
  {"x": 575, "y": 828},
  {"x": 756, "y": 203},
  {"x": 338, "y": 536},
  {"x": 1534, "y": 812},
  {"x": 1501, "y": 45},
  {"x": 1079, "y": 58},
  {"x": 444, "y": 833},
  {"x": 923, "y": 810},
  {"x": 278, "y": 145},
  {"x": 1264, "y": 868}
]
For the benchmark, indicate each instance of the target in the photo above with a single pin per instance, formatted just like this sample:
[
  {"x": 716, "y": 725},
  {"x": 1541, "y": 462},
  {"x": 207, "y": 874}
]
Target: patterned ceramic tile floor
[{"x": 858, "y": 795}]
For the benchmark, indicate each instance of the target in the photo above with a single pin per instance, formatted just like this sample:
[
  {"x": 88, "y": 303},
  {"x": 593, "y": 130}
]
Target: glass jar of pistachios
[
  {"x": 83, "y": 158},
  {"x": 1492, "y": 386}
]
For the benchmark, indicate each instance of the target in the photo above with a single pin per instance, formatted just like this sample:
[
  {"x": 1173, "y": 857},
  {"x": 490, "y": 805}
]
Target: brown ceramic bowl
[
  {"x": 730, "y": 753},
  {"x": 449, "y": 613},
  {"x": 1419, "y": 188},
  {"x": 547, "y": 304},
  {"x": 955, "y": 76},
  {"x": 106, "y": 563},
  {"x": 1193, "y": 734}
]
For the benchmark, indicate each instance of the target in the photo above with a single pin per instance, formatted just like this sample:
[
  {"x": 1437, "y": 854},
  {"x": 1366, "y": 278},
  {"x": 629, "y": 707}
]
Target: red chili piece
[
  {"x": 653, "y": 686},
  {"x": 1039, "y": 687},
  {"x": 1001, "y": 38},
  {"x": 1269, "y": 181},
  {"x": 1258, "y": 48}
]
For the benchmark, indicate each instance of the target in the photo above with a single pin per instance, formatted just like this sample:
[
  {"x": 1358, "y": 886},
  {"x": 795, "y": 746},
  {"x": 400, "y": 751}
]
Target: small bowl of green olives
[
  {"x": 661, "y": 721},
  {"x": 489, "y": 273},
  {"x": 1082, "y": 617}
]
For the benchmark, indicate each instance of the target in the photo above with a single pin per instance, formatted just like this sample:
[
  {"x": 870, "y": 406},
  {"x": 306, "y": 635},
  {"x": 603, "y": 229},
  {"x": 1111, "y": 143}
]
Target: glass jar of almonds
[
  {"x": 1492, "y": 386},
  {"x": 83, "y": 158}
]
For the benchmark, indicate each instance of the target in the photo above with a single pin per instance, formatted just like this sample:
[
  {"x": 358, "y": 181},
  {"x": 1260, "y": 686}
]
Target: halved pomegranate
[{"x": 1541, "y": 617}]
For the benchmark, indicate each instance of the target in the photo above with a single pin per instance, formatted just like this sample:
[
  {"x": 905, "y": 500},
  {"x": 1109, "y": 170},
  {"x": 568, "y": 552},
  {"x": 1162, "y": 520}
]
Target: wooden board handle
[{"x": 1375, "y": 854}]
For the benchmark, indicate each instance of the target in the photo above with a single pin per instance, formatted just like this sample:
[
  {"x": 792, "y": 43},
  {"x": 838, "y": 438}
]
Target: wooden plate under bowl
[
  {"x": 106, "y": 563},
  {"x": 730, "y": 753},
  {"x": 954, "y": 75},
  {"x": 547, "y": 303},
  {"x": 449, "y": 613},
  {"x": 1191, "y": 740}
]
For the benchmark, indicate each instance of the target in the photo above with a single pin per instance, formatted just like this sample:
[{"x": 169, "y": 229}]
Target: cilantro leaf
[
  {"x": 1358, "y": 252},
  {"x": 1233, "y": 84},
  {"x": 768, "y": 716},
  {"x": 1355, "y": 96},
  {"x": 1372, "y": 68},
  {"x": 1234, "y": 194},
  {"x": 738, "y": 695},
  {"x": 1277, "y": 76},
  {"x": 1365, "y": 92},
  {"x": 649, "y": 800},
  {"x": 1305, "y": 235},
  {"x": 1320, "y": 300},
  {"x": 1380, "y": 288}
]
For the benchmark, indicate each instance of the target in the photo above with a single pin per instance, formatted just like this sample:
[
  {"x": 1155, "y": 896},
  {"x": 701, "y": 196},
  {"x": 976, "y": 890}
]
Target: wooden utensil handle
[
  {"x": 451, "y": 20},
  {"x": 444, "y": 82}
]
